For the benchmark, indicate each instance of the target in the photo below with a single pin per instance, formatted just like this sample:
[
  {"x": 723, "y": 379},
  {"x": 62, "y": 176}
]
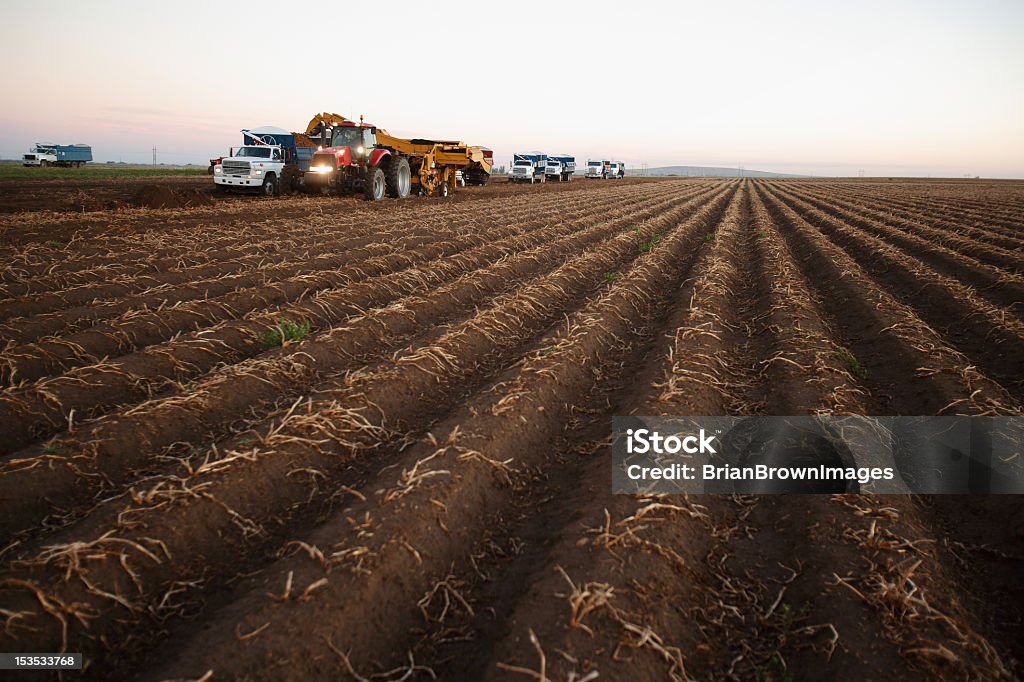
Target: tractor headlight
[
  {"x": 321, "y": 169},
  {"x": 360, "y": 151}
]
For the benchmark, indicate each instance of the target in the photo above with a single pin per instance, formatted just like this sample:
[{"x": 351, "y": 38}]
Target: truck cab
[
  {"x": 616, "y": 170},
  {"x": 522, "y": 171},
  {"x": 597, "y": 169},
  {"x": 40, "y": 156}
]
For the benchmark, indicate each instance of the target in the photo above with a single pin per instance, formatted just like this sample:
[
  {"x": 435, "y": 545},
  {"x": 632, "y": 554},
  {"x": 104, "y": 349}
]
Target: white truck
[
  {"x": 268, "y": 162},
  {"x": 66, "y": 155},
  {"x": 616, "y": 170},
  {"x": 597, "y": 169},
  {"x": 528, "y": 167},
  {"x": 560, "y": 167}
]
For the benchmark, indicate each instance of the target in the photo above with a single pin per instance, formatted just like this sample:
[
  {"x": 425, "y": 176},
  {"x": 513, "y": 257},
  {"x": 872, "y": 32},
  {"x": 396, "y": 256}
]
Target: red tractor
[{"x": 364, "y": 159}]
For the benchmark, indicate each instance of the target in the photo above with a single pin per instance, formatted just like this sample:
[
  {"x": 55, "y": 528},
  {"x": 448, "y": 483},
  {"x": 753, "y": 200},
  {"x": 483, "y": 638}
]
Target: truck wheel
[
  {"x": 399, "y": 178},
  {"x": 43, "y": 163},
  {"x": 375, "y": 185},
  {"x": 270, "y": 186}
]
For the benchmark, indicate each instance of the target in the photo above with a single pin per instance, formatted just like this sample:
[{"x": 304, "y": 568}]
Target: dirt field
[{"x": 419, "y": 486}]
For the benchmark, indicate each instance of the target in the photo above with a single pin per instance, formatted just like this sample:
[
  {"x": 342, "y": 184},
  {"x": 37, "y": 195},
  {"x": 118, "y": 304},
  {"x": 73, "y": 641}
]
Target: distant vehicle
[
  {"x": 560, "y": 167},
  {"x": 460, "y": 179},
  {"x": 616, "y": 171},
  {"x": 597, "y": 169},
  {"x": 528, "y": 167},
  {"x": 65, "y": 155}
]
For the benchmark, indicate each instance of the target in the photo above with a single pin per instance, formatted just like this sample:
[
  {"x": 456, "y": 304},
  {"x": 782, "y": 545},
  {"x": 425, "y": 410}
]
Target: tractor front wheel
[{"x": 443, "y": 190}]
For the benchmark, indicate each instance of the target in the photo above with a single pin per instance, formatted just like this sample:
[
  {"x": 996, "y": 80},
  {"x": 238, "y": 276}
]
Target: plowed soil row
[
  {"x": 358, "y": 414},
  {"x": 420, "y": 488},
  {"x": 434, "y": 498},
  {"x": 248, "y": 245},
  {"x": 984, "y": 213},
  {"x": 991, "y": 337},
  {"x": 139, "y": 328},
  {"x": 109, "y": 451},
  {"x": 890, "y": 344},
  {"x": 926, "y": 221},
  {"x": 346, "y": 249},
  {"x": 992, "y": 265},
  {"x": 41, "y": 408}
]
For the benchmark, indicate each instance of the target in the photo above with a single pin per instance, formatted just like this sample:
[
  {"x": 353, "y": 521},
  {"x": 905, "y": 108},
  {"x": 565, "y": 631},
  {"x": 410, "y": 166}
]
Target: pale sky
[{"x": 825, "y": 87}]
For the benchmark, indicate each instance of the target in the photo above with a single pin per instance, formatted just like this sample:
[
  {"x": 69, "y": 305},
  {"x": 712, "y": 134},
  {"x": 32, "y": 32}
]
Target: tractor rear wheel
[
  {"x": 375, "y": 185},
  {"x": 399, "y": 177}
]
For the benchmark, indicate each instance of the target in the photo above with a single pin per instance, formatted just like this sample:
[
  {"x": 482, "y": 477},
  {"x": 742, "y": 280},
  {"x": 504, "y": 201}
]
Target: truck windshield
[
  {"x": 254, "y": 152},
  {"x": 594, "y": 163}
]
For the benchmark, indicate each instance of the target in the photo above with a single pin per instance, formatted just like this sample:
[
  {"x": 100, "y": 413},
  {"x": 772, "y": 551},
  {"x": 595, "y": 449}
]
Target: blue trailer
[{"x": 67, "y": 155}]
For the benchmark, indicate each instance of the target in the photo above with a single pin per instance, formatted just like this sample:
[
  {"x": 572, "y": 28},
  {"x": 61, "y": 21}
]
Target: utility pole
[{"x": 154, "y": 155}]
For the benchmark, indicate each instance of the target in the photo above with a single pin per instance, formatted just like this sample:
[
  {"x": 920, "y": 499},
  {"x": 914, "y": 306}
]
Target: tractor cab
[{"x": 360, "y": 140}]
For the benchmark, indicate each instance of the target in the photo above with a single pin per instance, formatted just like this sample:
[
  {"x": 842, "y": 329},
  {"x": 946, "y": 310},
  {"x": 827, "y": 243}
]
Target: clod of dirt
[{"x": 157, "y": 196}]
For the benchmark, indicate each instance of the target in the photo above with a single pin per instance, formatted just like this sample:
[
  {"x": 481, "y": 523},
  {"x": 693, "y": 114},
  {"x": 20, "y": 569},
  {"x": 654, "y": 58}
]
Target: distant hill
[{"x": 707, "y": 171}]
